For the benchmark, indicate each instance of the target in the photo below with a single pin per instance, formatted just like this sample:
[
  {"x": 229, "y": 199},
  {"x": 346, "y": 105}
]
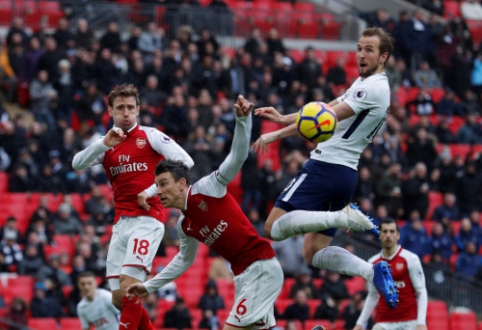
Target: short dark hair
[
  {"x": 123, "y": 90},
  {"x": 177, "y": 169},
  {"x": 84, "y": 274},
  {"x": 387, "y": 222},
  {"x": 386, "y": 40}
]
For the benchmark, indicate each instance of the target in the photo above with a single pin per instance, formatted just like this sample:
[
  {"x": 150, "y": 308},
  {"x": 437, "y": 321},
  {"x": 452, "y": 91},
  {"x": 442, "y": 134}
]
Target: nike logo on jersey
[
  {"x": 124, "y": 324},
  {"x": 326, "y": 122}
]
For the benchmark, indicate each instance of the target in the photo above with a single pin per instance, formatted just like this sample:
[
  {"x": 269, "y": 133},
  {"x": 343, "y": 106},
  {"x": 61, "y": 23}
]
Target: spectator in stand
[
  {"x": 468, "y": 189},
  {"x": 441, "y": 242},
  {"x": 83, "y": 36},
  {"x": 353, "y": 310},
  {"x": 309, "y": 69},
  {"x": 470, "y": 104},
  {"x": 10, "y": 229},
  {"x": 65, "y": 223},
  {"x": 337, "y": 74},
  {"x": 471, "y": 132},
  {"x": 334, "y": 286},
  {"x": 401, "y": 34},
  {"x": 471, "y": 10},
  {"x": 289, "y": 255},
  {"x": 384, "y": 20},
  {"x": 151, "y": 92},
  {"x": 423, "y": 104},
  {"x": 62, "y": 34},
  {"x": 388, "y": 190},
  {"x": 426, "y": 77},
  {"x": 211, "y": 300},
  {"x": 209, "y": 321},
  {"x": 447, "y": 211},
  {"x": 299, "y": 310},
  {"x": 11, "y": 251},
  {"x": 438, "y": 278},
  {"x": 468, "y": 235},
  {"x": 32, "y": 261},
  {"x": 201, "y": 150},
  {"x": 443, "y": 133},
  {"x": 305, "y": 283},
  {"x": 106, "y": 73},
  {"x": 414, "y": 237},
  {"x": 448, "y": 106},
  {"x": 474, "y": 217},
  {"x": 275, "y": 44},
  {"x": 50, "y": 59},
  {"x": 328, "y": 310},
  {"x": 18, "y": 27},
  {"x": 468, "y": 262},
  {"x": 52, "y": 269},
  {"x": 112, "y": 38},
  {"x": 256, "y": 221},
  {"x": 253, "y": 41},
  {"x": 43, "y": 305},
  {"x": 435, "y": 6},
  {"x": 42, "y": 94},
  {"x": 178, "y": 317},
  {"x": 18, "y": 314},
  {"x": 149, "y": 42},
  {"x": 171, "y": 236},
  {"x": 393, "y": 74},
  {"x": 419, "y": 35},
  {"x": 422, "y": 149}
]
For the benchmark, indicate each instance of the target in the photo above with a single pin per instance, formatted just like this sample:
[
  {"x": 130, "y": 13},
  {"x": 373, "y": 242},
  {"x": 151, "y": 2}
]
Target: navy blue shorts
[{"x": 319, "y": 186}]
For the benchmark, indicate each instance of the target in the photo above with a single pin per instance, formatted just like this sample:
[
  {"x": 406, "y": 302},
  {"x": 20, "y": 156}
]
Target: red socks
[
  {"x": 145, "y": 323},
  {"x": 134, "y": 316}
]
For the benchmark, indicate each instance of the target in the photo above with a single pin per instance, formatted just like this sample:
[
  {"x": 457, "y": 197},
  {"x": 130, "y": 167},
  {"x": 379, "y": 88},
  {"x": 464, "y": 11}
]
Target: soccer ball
[{"x": 316, "y": 122}]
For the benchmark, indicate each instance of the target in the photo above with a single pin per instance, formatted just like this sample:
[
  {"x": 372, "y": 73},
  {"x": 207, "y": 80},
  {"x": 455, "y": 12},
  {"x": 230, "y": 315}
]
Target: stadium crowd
[{"x": 187, "y": 85}]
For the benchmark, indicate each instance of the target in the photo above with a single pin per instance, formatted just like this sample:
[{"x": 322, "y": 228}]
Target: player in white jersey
[
  {"x": 410, "y": 280},
  {"x": 96, "y": 306},
  {"x": 328, "y": 180}
]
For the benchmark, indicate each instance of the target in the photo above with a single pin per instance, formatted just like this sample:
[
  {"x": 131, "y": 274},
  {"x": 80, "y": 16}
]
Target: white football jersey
[
  {"x": 100, "y": 312},
  {"x": 370, "y": 100}
]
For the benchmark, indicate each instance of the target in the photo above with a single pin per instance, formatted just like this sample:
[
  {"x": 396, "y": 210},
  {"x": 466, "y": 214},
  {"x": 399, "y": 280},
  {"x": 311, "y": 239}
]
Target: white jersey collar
[{"x": 393, "y": 255}]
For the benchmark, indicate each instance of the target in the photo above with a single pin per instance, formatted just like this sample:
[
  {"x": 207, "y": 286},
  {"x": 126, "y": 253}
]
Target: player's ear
[
  {"x": 138, "y": 110},
  {"x": 109, "y": 109},
  {"x": 384, "y": 58}
]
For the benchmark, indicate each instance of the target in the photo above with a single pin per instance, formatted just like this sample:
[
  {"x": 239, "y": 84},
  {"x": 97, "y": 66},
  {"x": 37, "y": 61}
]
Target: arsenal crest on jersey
[
  {"x": 399, "y": 266},
  {"x": 141, "y": 142},
  {"x": 203, "y": 206}
]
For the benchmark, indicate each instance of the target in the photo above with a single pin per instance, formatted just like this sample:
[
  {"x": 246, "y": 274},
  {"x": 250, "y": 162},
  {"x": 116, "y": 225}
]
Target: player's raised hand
[
  {"x": 114, "y": 137},
  {"x": 269, "y": 113},
  {"x": 243, "y": 107},
  {"x": 136, "y": 290},
  {"x": 263, "y": 141},
  {"x": 142, "y": 200}
]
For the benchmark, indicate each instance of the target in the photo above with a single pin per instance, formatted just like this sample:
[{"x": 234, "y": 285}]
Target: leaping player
[
  {"x": 328, "y": 180},
  {"x": 410, "y": 280},
  {"x": 213, "y": 217},
  {"x": 129, "y": 154}
]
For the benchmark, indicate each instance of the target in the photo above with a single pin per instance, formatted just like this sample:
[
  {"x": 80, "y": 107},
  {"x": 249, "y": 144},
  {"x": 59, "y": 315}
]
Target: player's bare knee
[
  {"x": 267, "y": 229},
  {"x": 117, "y": 299},
  {"x": 308, "y": 254}
]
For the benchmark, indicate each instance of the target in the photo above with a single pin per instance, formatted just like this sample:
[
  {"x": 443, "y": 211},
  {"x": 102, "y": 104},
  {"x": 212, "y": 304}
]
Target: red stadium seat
[
  {"x": 456, "y": 227},
  {"x": 70, "y": 323},
  {"x": 455, "y": 124},
  {"x": 313, "y": 305},
  {"x": 22, "y": 280},
  {"x": 222, "y": 314},
  {"x": 3, "y": 182},
  {"x": 282, "y": 324},
  {"x": 330, "y": 30},
  {"x": 463, "y": 321},
  {"x": 428, "y": 224},
  {"x": 310, "y": 324},
  {"x": 225, "y": 287},
  {"x": 452, "y": 9},
  {"x": 437, "y": 309},
  {"x": 191, "y": 294},
  {"x": 281, "y": 304},
  {"x": 304, "y": 6},
  {"x": 296, "y": 55},
  {"x": 42, "y": 323},
  {"x": 171, "y": 251},
  {"x": 196, "y": 317},
  {"x": 437, "y": 94},
  {"x": 435, "y": 199},
  {"x": 462, "y": 150},
  {"x": 355, "y": 284},
  {"x": 288, "y": 284}
]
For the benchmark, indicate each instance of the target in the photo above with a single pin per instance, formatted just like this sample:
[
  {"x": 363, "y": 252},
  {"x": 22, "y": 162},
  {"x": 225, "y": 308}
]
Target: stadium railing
[{"x": 455, "y": 289}]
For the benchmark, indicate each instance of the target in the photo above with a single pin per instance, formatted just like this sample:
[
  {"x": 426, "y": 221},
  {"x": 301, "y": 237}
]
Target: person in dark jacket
[
  {"x": 43, "y": 306},
  {"x": 468, "y": 189},
  {"x": 32, "y": 261},
  {"x": 415, "y": 191},
  {"x": 441, "y": 242},
  {"x": 414, "y": 237},
  {"x": 448, "y": 210},
  {"x": 299, "y": 310},
  {"x": 178, "y": 317},
  {"x": 18, "y": 314},
  {"x": 468, "y": 261},
  {"x": 467, "y": 235},
  {"x": 305, "y": 282},
  {"x": 211, "y": 300},
  {"x": 209, "y": 321}
]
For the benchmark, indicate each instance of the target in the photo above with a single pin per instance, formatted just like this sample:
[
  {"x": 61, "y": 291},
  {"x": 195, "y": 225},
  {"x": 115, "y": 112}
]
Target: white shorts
[
  {"x": 407, "y": 325},
  {"x": 132, "y": 248},
  {"x": 256, "y": 291}
]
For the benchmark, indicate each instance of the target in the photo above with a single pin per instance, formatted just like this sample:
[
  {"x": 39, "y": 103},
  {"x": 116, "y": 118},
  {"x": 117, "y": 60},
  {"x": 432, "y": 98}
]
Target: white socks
[
  {"x": 302, "y": 222},
  {"x": 341, "y": 261}
]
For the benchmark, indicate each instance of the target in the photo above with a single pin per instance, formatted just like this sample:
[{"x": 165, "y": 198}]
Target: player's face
[
  {"x": 389, "y": 235},
  {"x": 124, "y": 112},
  {"x": 87, "y": 286},
  {"x": 368, "y": 56},
  {"x": 170, "y": 192}
]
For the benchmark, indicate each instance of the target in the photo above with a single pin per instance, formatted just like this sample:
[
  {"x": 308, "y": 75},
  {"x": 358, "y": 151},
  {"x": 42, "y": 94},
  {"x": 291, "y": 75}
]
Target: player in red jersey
[
  {"x": 408, "y": 275},
  {"x": 212, "y": 216},
  {"x": 129, "y": 154}
]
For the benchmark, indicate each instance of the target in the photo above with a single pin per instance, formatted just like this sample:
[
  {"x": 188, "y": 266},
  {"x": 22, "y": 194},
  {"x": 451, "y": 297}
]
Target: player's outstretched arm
[
  {"x": 273, "y": 115},
  {"x": 370, "y": 304},
  {"x": 417, "y": 277},
  {"x": 240, "y": 147},
  {"x": 265, "y": 139}
]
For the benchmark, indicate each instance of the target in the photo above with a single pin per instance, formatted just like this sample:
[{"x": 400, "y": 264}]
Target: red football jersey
[
  {"x": 220, "y": 223},
  {"x": 130, "y": 167},
  {"x": 406, "y": 269}
]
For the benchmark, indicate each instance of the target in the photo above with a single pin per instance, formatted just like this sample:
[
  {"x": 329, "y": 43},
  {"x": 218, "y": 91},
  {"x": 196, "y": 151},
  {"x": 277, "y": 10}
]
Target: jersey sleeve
[
  {"x": 370, "y": 303},
  {"x": 165, "y": 146},
  {"x": 179, "y": 264},
  {"x": 83, "y": 321},
  {"x": 362, "y": 98},
  {"x": 90, "y": 156},
  {"x": 417, "y": 277},
  {"x": 214, "y": 185}
]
